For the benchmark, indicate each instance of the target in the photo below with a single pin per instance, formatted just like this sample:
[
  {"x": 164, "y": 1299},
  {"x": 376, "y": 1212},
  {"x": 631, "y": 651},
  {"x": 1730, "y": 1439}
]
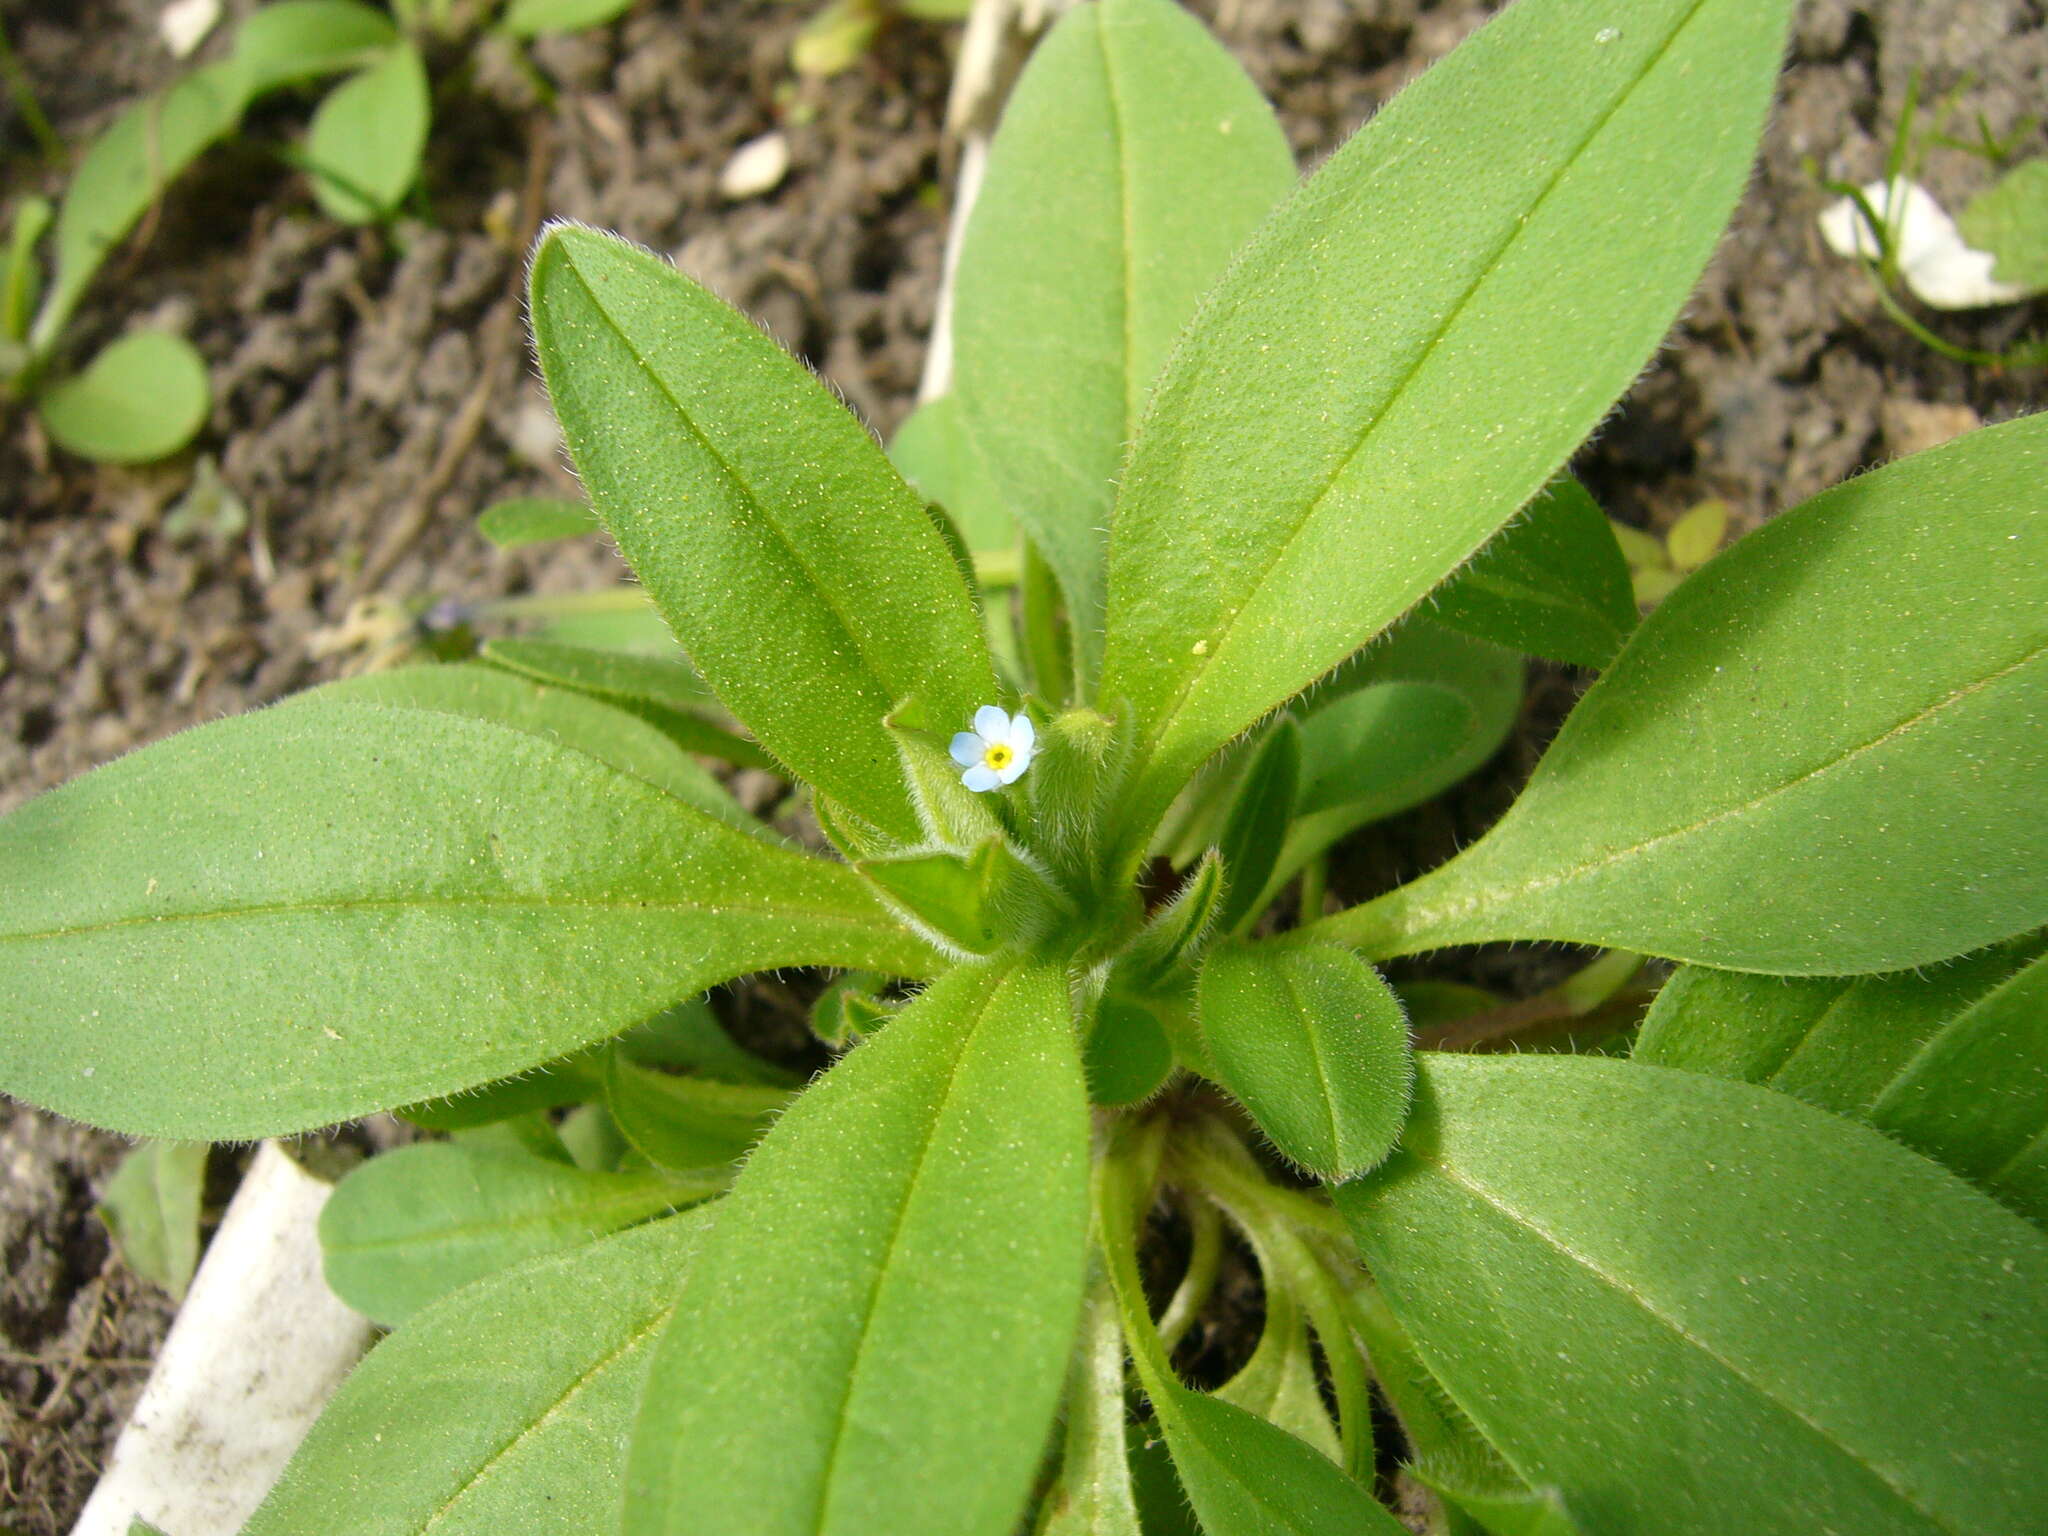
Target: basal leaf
[
  {"x": 1552, "y": 583},
  {"x": 1337, "y": 432},
  {"x": 409, "y": 1226},
  {"x": 573, "y": 719},
  {"x": 525, "y": 520},
  {"x": 125, "y": 171},
  {"x": 798, "y": 570},
  {"x": 1309, "y": 1039},
  {"x": 932, "y": 451},
  {"x": 141, "y": 399},
  {"x": 151, "y": 1207},
  {"x": 686, "y": 1122},
  {"x": 315, "y": 911},
  {"x": 504, "y": 1407},
  {"x": 368, "y": 133},
  {"x": 1952, "y": 1061},
  {"x": 1757, "y": 1314},
  {"x": 1133, "y": 159},
  {"x": 292, "y": 40},
  {"x": 1845, "y": 699},
  {"x": 1093, "y": 1495},
  {"x": 873, "y": 1334}
]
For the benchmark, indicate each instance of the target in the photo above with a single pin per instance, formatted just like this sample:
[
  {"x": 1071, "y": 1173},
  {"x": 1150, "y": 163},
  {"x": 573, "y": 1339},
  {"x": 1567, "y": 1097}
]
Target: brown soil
[{"x": 373, "y": 394}]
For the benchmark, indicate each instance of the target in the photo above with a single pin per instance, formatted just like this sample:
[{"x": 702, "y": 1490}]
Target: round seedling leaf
[{"x": 142, "y": 399}]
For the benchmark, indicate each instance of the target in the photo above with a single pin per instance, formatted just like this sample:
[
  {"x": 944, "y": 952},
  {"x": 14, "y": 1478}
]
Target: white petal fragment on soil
[
  {"x": 183, "y": 24},
  {"x": 257, "y": 1349},
  {"x": 1935, "y": 261},
  {"x": 757, "y": 166}
]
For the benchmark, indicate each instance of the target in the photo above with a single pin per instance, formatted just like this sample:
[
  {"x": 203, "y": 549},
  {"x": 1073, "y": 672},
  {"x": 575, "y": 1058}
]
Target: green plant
[
  {"x": 146, "y": 395},
  {"x": 1779, "y": 1271}
]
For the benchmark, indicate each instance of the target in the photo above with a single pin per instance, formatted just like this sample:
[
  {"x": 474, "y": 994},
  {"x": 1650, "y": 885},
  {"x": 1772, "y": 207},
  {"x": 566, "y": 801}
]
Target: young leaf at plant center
[
  {"x": 125, "y": 171},
  {"x": 1581, "y": 159},
  {"x": 982, "y": 901},
  {"x": 1729, "y": 1335},
  {"x": 293, "y": 40},
  {"x": 368, "y": 133},
  {"x": 1127, "y": 1057},
  {"x": 372, "y": 906},
  {"x": 610, "y": 735},
  {"x": 141, "y": 399},
  {"x": 2010, "y": 220},
  {"x": 547, "y": 1361},
  {"x": 1308, "y": 1038},
  {"x": 151, "y": 1208},
  {"x": 918, "y": 1362},
  {"x": 408, "y": 1227},
  {"x": 1844, "y": 698},
  {"x": 534, "y": 18},
  {"x": 797, "y": 569},
  {"x": 1176, "y": 934},
  {"x": 932, "y": 451},
  {"x": 1093, "y": 1495},
  {"x": 681, "y": 1122},
  {"x": 1953, "y": 1062},
  {"x": 1133, "y": 159},
  {"x": 1552, "y": 583},
  {"x": 521, "y": 521},
  {"x": 1257, "y": 823}
]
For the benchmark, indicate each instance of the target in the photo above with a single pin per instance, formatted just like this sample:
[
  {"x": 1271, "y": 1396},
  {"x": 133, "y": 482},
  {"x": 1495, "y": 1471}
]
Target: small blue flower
[{"x": 997, "y": 750}]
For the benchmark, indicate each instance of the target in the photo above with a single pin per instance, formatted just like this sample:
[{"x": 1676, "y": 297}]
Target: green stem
[
  {"x": 1199, "y": 1281},
  {"x": 1315, "y": 888}
]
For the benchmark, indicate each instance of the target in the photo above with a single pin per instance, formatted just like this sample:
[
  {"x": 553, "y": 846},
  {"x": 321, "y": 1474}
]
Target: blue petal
[
  {"x": 1015, "y": 771},
  {"x": 981, "y": 778},
  {"x": 967, "y": 749},
  {"x": 1023, "y": 735},
  {"x": 991, "y": 722}
]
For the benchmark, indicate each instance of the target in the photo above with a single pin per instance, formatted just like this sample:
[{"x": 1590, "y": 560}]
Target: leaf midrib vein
[
  {"x": 1623, "y": 1288},
  {"x": 1306, "y": 516}
]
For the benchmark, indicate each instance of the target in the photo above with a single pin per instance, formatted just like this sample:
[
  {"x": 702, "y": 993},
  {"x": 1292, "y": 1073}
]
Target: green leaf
[
  {"x": 1553, "y": 583},
  {"x": 408, "y": 1227},
  {"x": 293, "y": 40},
  {"x": 570, "y": 1080},
  {"x": 1953, "y": 1062},
  {"x": 364, "y": 146},
  {"x": 504, "y": 1407},
  {"x": 661, "y": 689},
  {"x": 680, "y": 1122},
  {"x": 1844, "y": 699},
  {"x": 124, "y": 172},
  {"x": 21, "y": 277},
  {"x": 531, "y": 18},
  {"x": 1257, "y": 823},
  {"x": 2010, "y": 220},
  {"x": 1497, "y": 1506},
  {"x": 151, "y": 1208},
  {"x": 932, "y": 451},
  {"x": 796, "y": 567},
  {"x": 1093, "y": 1495},
  {"x": 1133, "y": 159},
  {"x": 141, "y": 399},
  {"x": 916, "y": 1362},
  {"x": 1338, "y": 431},
  {"x": 522, "y": 520},
  {"x": 306, "y": 914},
  {"x": 1175, "y": 935},
  {"x": 572, "y": 719},
  {"x": 1279, "y": 1382},
  {"x": 1756, "y": 1311},
  {"x": 1308, "y": 1038},
  {"x": 1127, "y": 1056}
]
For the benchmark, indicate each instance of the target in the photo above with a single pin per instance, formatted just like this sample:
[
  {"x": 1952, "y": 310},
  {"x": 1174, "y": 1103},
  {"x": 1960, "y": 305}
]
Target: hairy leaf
[
  {"x": 1753, "y": 1309},
  {"x": 798, "y": 570},
  {"x": 1337, "y": 433},
  {"x": 312, "y": 912},
  {"x": 1844, "y": 699},
  {"x": 906, "y": 1248},
  {"x": 1133, "y": 159}
]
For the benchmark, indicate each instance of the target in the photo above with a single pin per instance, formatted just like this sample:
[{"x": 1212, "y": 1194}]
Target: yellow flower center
[{"x": 998, "y": 756}]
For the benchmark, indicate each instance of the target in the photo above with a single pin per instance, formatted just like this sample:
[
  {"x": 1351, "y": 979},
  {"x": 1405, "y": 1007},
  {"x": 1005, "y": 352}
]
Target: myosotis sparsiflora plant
[{"x": 1285, "y": 462}]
